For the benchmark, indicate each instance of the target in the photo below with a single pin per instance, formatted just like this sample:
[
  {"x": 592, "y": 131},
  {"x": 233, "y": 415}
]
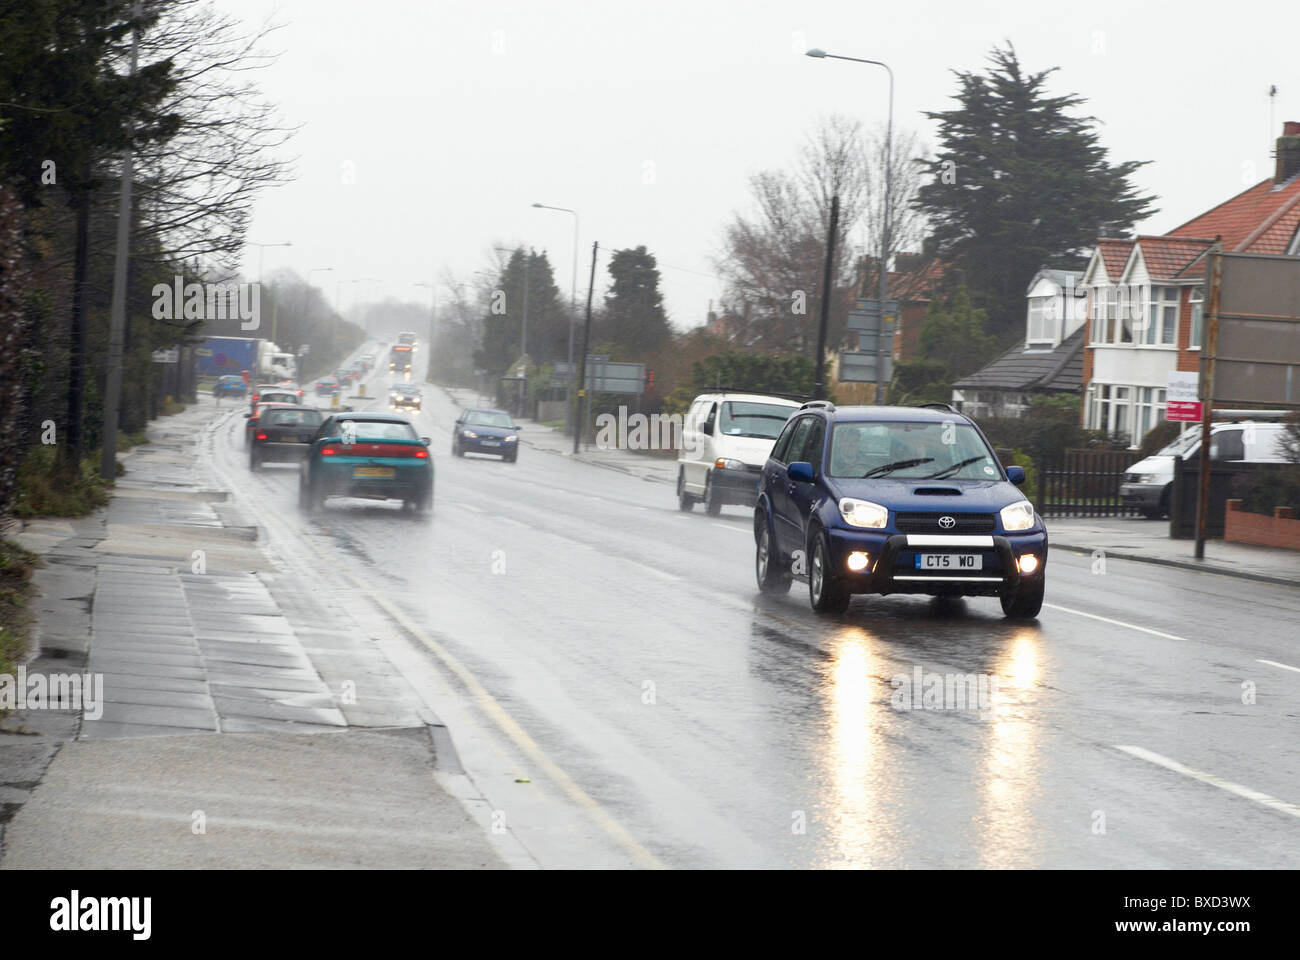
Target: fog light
[
  {"x": 858, "y": 561},
  {"x": 1028, "y": 563}
]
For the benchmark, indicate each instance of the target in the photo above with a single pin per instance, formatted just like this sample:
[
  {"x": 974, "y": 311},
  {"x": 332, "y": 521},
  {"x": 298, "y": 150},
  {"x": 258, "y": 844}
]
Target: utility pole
[
  {"x": 586, "y": 335},
  {"x": 828, "y": 279},
  {"x": 117, "y": 310}
]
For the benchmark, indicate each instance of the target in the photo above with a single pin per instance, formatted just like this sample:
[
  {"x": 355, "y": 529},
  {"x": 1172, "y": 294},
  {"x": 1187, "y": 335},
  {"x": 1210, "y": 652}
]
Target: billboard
[{"x": 1256, "y": 354}]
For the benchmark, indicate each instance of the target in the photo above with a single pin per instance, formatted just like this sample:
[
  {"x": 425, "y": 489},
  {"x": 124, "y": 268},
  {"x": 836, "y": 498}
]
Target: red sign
[{"x": 1184, "y": 410}]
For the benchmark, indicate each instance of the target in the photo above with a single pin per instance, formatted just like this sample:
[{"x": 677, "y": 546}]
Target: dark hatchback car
[
  {"x": 486, "y": 431},
  {"x": 283, "y": 433},
  {"x": 895, "y": 500},
  {"x": 376, "y": 456},
  {"x": 405, "y": 396}
]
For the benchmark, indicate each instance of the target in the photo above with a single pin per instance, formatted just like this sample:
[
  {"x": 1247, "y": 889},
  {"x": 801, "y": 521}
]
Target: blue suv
[{"x": 895, "y": 500}]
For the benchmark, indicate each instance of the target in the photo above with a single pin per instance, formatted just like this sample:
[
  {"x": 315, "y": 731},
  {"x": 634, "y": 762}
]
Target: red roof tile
[
  {"x": 1168, "y": 258},
  {"x": 1262, "y": 219},
  {"x": 1114, "y": 254}
]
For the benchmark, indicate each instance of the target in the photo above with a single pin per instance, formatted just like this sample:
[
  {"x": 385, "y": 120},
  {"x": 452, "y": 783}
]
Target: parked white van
[
  {"x": 1147, "y": 484},
  {"x": 726, "y": 439}
]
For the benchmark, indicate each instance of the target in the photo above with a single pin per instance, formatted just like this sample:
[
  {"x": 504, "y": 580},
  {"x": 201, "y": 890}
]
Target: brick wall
[{"x": 1279, "y": 530}]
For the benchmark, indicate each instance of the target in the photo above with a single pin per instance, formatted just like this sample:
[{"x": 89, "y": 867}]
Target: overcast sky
[{"x": 648, "y": 117}]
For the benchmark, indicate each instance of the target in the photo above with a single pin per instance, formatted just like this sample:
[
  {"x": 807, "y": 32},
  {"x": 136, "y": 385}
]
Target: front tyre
[
  {"x": 773, "y": 580},
  {"x": 826, "y": 592},
  {"x": 1024, "y": 604},
  {"x": 712, "y": 502}
]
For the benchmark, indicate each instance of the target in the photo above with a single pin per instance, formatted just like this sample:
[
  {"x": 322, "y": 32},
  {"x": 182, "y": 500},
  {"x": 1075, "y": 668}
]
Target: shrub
[{"x": 49, "y": 487}]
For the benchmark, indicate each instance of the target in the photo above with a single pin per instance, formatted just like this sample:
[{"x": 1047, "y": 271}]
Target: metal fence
[{"x": 1084, "y": 483}]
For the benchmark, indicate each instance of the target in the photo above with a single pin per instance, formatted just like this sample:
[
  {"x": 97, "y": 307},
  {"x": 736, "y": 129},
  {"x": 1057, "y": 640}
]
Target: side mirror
[
  {"x": 1016, "y": 475},
  {"x": 247, "y": 415},
  {"x": 800, "y": 470},
  {"x": 426, "y": 441},
  {"x": 516, "y": 428},
  {"x": 707, "y": 427}
]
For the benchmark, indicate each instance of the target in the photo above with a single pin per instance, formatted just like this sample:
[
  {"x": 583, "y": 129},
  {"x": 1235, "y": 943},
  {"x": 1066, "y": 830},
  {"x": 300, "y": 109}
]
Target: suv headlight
[
  {"x": 511, "y": 439},
  {"x": 470, "y": 434},
  {"x": 863, "y": 513},
  {"x": 1018, "y": 516}
]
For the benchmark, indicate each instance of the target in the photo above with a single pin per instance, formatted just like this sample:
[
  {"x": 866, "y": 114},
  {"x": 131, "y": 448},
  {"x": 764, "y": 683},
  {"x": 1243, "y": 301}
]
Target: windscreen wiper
[
  {"x": 953, "y": 468},
  {"x": 896, "y": 465}
]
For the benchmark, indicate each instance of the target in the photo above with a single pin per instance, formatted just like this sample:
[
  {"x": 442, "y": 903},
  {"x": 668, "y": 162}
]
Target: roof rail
[
  {"x": 940, "y": 405},
  {"x": 818, "y": 403}
]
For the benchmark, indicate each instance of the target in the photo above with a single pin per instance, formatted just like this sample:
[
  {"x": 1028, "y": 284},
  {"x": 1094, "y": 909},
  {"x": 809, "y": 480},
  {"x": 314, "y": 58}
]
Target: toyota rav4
[{"x": 895, "y": 500}]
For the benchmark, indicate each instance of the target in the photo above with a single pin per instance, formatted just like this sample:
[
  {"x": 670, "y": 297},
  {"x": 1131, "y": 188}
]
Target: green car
[{"x": 376, "y": 456}]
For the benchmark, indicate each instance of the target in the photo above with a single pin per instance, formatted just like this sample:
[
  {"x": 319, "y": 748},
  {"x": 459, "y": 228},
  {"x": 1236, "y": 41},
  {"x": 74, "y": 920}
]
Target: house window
[
  {"x": 1162, "y": 317},
  {"x": 1198, "y": 318},
  {"x": 1111, "y": 411},
  {"x": 1042, "y": 314},
  {"x": 1098, "y": 315},
  {"x": 1150, "y": 409}
]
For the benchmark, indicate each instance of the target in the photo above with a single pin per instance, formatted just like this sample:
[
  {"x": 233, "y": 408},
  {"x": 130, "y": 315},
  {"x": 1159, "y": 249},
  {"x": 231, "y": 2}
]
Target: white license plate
[
  {"x": 491, "y": 443},
  {"x": 949, "y": 561}
]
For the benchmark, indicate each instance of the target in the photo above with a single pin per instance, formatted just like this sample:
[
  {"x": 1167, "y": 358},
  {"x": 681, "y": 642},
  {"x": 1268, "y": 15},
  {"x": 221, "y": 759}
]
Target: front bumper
[
  {"x": 496, "y": 446},
  {"x": 1142, "y": 495},
  {"x": 892, "y": 561},
  {"x": 735, "y": 486}
]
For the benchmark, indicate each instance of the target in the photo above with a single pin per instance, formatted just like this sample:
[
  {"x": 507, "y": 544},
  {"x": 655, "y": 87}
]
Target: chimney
[{"x": 1288, "y": 152}]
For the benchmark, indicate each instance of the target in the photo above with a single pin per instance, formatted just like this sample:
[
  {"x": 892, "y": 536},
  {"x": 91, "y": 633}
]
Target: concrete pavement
[{"x": 216, "y": 661}]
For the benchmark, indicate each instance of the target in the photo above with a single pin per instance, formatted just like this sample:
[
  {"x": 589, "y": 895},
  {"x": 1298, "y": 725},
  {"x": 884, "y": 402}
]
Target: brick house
[{"x": 1146, "y": 296}]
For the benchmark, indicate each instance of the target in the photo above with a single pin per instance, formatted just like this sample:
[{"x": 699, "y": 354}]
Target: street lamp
[
  {"x": 573, "y": 313},
  {"x": 261, "y": 254},
  {"x": 889, "y": 176}
]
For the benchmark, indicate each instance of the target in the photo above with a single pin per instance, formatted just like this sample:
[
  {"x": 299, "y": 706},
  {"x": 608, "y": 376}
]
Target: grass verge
[{"x": 16, "y": 565}]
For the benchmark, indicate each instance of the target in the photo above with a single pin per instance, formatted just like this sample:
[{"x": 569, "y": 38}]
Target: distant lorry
[
  {"x": 266, "y": 362},
  {"x": 399, "y": 358},
  {"x": 406, "y": 338}
]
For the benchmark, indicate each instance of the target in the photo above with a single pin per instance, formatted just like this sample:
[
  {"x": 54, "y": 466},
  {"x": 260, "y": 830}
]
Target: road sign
[
  {"x": 1181, "y": 403},
  {"x": 857, "y": 366},
  {"x": 167, "y": 355},
  {"x": 604, "y": 376},
  {"x": 865, "y": 315}
]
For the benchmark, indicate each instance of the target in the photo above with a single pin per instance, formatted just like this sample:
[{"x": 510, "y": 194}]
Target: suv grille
[{"x": 929, "y": 523}]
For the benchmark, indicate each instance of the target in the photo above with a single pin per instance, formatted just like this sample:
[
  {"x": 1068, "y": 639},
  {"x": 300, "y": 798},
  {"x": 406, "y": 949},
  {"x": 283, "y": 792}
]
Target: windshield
[
  {"x": 742, "y": 418},
  {"x": 379, "y": 430},
  {"x": 294, "y": 418},
  {"x": 911, "y": 451},
  {"x": 488, "y": 418},
  {"x": 1180, "y": 445}
]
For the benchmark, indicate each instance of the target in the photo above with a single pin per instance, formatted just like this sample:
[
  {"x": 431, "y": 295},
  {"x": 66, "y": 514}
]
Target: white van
[
  {"x": 1147, "y": 484},
  {"x": 726, "y": 439}
]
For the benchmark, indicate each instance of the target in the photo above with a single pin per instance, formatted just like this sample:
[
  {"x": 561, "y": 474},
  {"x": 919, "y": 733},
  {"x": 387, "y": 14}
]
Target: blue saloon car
[
  {"x": 376, "y": 456},
  {"x": 486, "y": 431},
  {"x": 230, "y": 386},
  {"x": 895, "y": 500}
]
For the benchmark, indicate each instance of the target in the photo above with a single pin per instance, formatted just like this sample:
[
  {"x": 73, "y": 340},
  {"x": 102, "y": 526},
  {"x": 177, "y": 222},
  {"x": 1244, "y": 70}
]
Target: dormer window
[{"x": 1042, "y": 320}]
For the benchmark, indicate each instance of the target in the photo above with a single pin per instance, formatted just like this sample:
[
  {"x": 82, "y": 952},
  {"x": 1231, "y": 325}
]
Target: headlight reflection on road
[
  {"x": 858, "y": 715},
  {"x": 1009, "y": 775}
]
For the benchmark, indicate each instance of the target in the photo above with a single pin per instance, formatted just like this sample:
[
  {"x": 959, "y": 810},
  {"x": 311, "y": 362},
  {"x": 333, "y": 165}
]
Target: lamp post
[
  {"x": 573, "y": 314},
  {"x": 261, "y": 254},
  {"x": 889, "y": 179}
]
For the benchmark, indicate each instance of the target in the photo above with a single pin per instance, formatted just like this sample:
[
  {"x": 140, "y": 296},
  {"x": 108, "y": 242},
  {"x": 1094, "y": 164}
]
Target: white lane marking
[
  {"x": 504, "y": 519},
  {"x": 653, "y": 570},
  {"x": 1118, "y": 623},
  {"x": 471, "y": 508},
  {"x": 732, "y": 526},
  {"x": 1262, "y": 798},
  {"x": 1274, "y": 663}
]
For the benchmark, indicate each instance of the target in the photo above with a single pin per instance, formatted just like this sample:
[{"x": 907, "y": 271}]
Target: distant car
[
  {"x": 377, "y": 456},
  {"x": 486, "y": 431},
  {"x": 253, "y": 420},
  {"x": 895, "y": 500},
  {"x": 275, "y": 395},
  {"x": 327, "y": 386},
  {"x": 369, "y": 360},
  {"x": 283, "y": 432},
  {"x": 405, "y": 396},
  {"x": 230, "y": 386}
]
